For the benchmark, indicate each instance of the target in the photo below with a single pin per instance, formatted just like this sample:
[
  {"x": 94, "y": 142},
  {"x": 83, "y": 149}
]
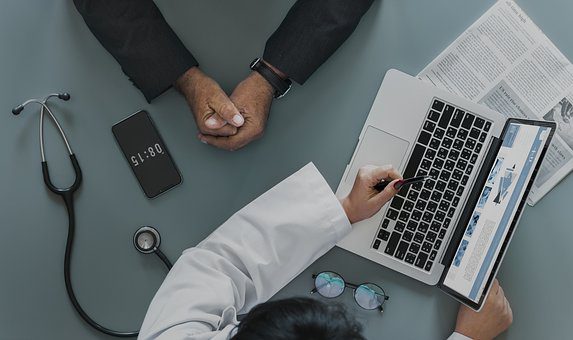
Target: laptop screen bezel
[{"x": 464, "y": 299}]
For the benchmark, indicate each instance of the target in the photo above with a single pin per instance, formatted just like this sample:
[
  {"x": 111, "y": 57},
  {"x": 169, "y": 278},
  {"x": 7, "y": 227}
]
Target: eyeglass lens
[
  {"x": 329, "y": 284},
  {"x": 369, "y": 296}
]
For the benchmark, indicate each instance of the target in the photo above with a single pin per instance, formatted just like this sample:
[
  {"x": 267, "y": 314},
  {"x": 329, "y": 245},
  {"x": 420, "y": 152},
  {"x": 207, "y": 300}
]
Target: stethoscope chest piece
[{"x": 146, "y": 240}]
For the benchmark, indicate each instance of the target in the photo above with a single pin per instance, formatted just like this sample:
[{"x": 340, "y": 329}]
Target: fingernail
[
  {"x": 200, "y": 137},
  {"x": 398, "y": 184},
  {"x": 238, "y": 119},
  {"x": 211, "y": 122}
]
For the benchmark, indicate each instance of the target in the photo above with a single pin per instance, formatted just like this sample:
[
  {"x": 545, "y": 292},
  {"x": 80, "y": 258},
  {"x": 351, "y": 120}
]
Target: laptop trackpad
[{"x": 376, "y": 148}]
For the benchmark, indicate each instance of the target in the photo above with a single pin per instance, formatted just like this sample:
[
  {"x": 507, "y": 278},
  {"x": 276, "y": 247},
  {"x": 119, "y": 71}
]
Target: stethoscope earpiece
[
  {"x": 64, "y": 96},
  {"x": 17, "y": 110},
  {"x": 45, "y": 109}
]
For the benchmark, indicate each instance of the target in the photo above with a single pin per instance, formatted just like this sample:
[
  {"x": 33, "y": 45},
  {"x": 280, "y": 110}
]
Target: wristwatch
[{"x": 281, "y": 86}]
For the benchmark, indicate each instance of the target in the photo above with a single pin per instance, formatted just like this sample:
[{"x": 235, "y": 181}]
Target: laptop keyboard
[{"x": 418, "y": 218}]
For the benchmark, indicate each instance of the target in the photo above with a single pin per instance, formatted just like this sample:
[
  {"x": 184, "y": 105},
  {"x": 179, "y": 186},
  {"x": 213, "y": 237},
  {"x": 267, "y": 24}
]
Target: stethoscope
[{"x": 146, "y": 239}]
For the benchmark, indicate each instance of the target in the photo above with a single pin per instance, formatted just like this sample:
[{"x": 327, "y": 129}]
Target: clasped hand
[{"x": 227, "y": 122}]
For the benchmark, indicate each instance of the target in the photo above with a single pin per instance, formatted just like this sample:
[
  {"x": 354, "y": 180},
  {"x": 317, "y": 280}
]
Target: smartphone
[{"x": 146, "y": 154}]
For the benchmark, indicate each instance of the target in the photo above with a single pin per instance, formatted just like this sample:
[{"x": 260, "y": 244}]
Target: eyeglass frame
[{"x": 353, "y": 286}]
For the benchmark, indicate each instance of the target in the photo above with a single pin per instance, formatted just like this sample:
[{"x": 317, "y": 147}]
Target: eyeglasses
[{"x": 367, "y": 295}]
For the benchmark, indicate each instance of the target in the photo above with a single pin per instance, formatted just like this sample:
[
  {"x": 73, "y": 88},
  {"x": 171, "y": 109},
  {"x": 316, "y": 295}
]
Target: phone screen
[{"x": 146, "y": 154}]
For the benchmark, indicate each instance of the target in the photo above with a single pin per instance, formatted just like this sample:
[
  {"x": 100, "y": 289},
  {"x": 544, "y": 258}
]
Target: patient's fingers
[
  {"x": 225, "y": 108},
  {"x": 231, "y": 143},
  {"x": 226, "y": 130},
  {"x": 214, "y": 121},
  {"x": 495, "y": 286}
]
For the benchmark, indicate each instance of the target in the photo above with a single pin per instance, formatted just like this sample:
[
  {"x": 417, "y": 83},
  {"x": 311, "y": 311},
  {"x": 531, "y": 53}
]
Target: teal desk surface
[{"x": 46, "y": 47}]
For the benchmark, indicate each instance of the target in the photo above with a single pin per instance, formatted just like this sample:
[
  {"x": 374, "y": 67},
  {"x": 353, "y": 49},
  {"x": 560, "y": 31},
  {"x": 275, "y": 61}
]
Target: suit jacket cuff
[
  {"x": 139, "y": 38},
  {"x": 310, "y": 33},
  {"x": 160, "y": 71}
]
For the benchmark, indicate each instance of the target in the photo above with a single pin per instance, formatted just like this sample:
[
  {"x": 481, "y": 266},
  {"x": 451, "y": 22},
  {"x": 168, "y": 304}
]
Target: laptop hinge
[{"x": 471, "y": 202}]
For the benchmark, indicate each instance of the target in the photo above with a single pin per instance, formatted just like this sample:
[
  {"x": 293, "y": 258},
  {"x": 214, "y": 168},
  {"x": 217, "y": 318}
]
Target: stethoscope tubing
[
  {"x": 67, "y": 195},
  {"x": 69, "y": 201},
  {"x": 163, "y": 258}
]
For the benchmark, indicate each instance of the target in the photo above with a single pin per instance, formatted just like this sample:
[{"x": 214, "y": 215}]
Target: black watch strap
[{"x": 281, "y": 86}]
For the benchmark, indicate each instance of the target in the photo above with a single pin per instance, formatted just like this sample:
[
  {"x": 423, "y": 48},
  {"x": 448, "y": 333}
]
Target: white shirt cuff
[{"x": 458, "y": 336}]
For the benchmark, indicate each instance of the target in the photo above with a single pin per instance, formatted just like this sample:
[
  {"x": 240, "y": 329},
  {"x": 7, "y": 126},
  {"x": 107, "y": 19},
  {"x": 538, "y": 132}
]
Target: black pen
[{"x": 409, "y": 181}]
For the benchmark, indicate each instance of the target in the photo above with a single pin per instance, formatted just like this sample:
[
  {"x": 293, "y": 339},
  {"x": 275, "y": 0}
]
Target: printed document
[{"x": 504, "y": 61}]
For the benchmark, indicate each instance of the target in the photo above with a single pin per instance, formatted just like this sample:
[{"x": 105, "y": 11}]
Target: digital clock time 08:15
[{"x": 150, "y": 152}]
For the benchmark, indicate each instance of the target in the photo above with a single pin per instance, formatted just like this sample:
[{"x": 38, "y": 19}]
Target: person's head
[{"x": 298, "y": 319}]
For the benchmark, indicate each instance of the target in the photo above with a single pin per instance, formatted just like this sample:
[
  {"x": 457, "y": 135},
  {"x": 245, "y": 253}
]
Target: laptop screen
[{"x": 492, "y": 220}]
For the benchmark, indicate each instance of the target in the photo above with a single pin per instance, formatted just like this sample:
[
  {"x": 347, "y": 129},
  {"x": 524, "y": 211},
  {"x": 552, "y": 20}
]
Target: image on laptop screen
[{"x": 495, "y": 210}]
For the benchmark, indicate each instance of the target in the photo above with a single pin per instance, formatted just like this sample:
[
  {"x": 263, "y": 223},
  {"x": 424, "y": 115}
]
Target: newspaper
[{"x": 504, "y": 61}]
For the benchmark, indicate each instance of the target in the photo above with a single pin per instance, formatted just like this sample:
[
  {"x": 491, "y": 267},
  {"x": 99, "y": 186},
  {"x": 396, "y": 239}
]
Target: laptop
[{"x": 453, "y": 229}]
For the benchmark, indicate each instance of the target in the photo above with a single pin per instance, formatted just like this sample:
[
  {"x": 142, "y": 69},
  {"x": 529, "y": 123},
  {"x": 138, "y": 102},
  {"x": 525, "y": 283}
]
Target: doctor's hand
[
  {"x": 363, "y": 200},
  {"x": 494, "y": 318},
  {"x": 253, "y": 97},
  {"x": 215, "y": 114}
]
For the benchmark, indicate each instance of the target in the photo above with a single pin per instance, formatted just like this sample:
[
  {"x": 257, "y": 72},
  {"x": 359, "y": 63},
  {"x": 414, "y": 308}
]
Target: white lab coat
[{"x": 247, "y": 260}]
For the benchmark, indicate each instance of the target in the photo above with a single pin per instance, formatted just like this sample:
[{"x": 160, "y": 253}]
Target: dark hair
[{"x": 298, "y": 319}]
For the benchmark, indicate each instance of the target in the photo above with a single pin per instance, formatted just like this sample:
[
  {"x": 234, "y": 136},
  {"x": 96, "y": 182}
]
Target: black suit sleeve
[
  {"x": 139, "y": 38},
  {"x": 310, "y": 33}
]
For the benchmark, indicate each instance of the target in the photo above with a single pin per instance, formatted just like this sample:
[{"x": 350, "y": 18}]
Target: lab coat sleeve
[{"x": 248, "y": 259}]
